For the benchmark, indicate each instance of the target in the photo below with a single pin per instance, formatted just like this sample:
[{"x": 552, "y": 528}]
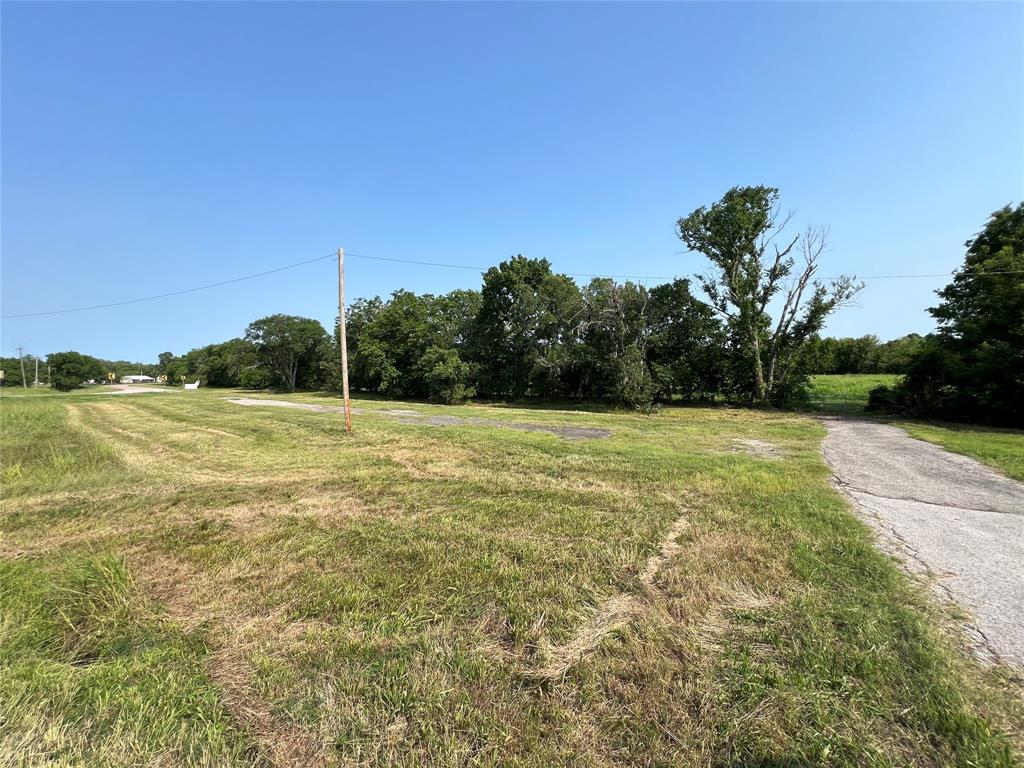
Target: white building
[{"x": 136, "y": 379}]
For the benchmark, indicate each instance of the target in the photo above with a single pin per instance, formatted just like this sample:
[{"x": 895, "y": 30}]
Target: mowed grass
[
  {"x": 185, "y": 581},
  {"x": 847, "y": 392}
]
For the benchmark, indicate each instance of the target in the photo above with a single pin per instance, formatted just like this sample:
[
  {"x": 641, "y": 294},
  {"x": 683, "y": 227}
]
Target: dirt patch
[
  {"x": 417, "y": 418},
  {"x": 287, "y": 404},
  {"x": 614, "y": 613},
  {"x": 135, "y": 389},
  {"x": 759, "y": 449}
]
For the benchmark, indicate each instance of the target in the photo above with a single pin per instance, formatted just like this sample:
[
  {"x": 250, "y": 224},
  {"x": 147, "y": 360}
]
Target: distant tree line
[
  {"x": 866, "y": 354},
  {"x": 531, "y": 332},
  {"x": 66, "y": 367}
]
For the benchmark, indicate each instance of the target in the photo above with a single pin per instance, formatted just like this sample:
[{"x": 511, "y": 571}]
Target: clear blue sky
[{"x": 152, "y": 147}]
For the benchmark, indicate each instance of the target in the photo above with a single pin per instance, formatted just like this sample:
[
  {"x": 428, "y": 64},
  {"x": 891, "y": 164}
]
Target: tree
[
  {"x": 613, "y": 331},
  {"x": 69, "y": 370},
  {"x": 411, "y": 345},
  {"x": 233, "y": 363},
  {"x": 291, "y": 348},
  {"x": 743, "y": 235},
  {"x": 973, "y": 368},
  {"x": 685, "y": 345},
  {"x": 525, "y": 318}
]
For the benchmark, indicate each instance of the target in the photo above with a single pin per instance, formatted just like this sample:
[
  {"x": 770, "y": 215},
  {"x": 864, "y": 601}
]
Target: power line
[
  {"x": 666, "y": 277},
  {"x": 425, "y": 264},
  {"x": 484, "y": 269},
  {"x": 171, "y": 293}
]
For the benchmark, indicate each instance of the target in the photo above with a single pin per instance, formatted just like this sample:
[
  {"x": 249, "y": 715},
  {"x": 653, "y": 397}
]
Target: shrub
[{"x": 446, "y": 375}]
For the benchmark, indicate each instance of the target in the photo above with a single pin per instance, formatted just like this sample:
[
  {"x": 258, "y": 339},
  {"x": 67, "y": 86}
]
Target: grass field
[
  {"x": 848, "y": 392},
  {"x": 186, "y": 582}
]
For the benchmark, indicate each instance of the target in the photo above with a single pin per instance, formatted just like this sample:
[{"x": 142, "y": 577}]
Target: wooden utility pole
[
  {"x": 21, "y": 360},
  {"x": 344, "y": 342}
]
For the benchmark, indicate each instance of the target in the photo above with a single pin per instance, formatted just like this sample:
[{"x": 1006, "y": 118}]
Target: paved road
[{"x": 948, "y": 516}]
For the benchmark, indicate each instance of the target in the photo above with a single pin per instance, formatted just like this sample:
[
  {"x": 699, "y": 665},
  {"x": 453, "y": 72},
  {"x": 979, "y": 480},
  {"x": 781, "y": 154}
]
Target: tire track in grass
[{"x": 614, "y": 613}]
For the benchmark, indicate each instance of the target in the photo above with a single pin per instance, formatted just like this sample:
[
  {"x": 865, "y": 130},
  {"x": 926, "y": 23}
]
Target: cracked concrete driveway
[{"x": 948, "y": 516}]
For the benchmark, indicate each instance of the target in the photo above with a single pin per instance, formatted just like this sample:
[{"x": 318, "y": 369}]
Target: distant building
[{"x": 136, "y": 379}]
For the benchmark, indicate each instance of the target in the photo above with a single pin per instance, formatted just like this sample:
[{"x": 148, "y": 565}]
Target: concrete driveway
[{"x": 948, "y": 516}]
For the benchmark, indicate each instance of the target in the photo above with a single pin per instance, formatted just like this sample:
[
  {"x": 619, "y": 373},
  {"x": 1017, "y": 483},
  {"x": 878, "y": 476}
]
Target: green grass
[
  {"x": 846, "y": 393},
  {"x": 190, "y": 582},
  {"x": 999, "y": 448}
]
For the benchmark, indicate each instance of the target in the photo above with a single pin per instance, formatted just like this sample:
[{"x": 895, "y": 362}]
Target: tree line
[
  {"x": 532, "y": 332},
  {"x": 865, "y": 354},
  {"x": 754, "y": 337},
  {"x": 71, "y": 370}
]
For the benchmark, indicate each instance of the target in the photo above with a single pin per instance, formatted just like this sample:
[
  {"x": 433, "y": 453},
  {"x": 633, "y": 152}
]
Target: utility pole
[
  {"x": 344, "y": 342},
  {"x": 21, "y": 360},
  {"x": 35, "y": 381}
]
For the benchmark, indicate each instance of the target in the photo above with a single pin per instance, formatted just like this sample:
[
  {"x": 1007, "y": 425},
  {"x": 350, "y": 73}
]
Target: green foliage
[
  {"x": 973, "y": 368},
  {"x": 617, "y": 342},
  {"x": 446, "y": 376},
  {"x": 69, "y": 370},
  {"x": 291, "y": 349},
  {"x": 11, "y": 366},
  {"x": 526, "y": 313},
  {"x": 735, "y": 234},
  {"x": 861, "y": 355},
  {"x": 411, "y": 345},
  {"x": 233, "y": 363},
  {"x": 686, "y": 345}
]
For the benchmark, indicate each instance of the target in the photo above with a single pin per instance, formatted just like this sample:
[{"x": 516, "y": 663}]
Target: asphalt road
[{"x": 948, "y": 516}]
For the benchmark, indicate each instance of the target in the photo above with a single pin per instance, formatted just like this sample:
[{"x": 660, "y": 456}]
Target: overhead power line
[
  {"x": 666, "y": 277},
  {"x": 171, "y": 293},
  {"x": 423, "y": 264},
  {"x": 484, "y": 269}
]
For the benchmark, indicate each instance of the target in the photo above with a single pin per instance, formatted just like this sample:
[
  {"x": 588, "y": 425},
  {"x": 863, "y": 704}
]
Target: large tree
[
  {"x": 614, "y": 332},
  {"x": 292, "y": 348},
  {"x": 522, "y": 327},
  {"x": 68, "y": 370},
  {"x": 973, "y": 368},
  {"x": 753, "y": 263}
]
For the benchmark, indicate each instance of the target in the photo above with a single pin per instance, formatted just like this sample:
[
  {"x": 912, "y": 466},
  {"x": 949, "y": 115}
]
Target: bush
[{"x": 446, "y": 375}]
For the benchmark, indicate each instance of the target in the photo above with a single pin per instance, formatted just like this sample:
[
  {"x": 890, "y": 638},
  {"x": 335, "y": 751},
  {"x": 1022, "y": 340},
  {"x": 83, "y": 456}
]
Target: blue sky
[{"x": 151, "y": 147}]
